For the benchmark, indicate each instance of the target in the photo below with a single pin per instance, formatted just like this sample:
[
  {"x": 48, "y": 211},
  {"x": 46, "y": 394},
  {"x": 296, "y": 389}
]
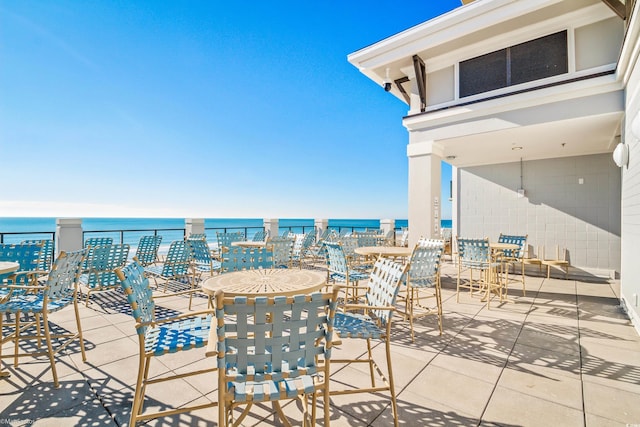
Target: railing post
[
  {"x": 321, "y": 225},
  {"x": 193, "y": 226},
  {"x": 271, "y": 226},
  {"x": 68, "y": 234}
]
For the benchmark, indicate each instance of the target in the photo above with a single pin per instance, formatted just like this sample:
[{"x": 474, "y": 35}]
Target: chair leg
[
  {"x": 371, "y": 363},
  {"x": 16, "y": 340},
  {"x": 439, "y": 304},
  {"x": 392, "y": 391},
  {"x": 79, "y": 329},
  {"x": 47, "y": 335},
  {"x": 138, "y": 395},
  {"x": 410, "y": 301}
]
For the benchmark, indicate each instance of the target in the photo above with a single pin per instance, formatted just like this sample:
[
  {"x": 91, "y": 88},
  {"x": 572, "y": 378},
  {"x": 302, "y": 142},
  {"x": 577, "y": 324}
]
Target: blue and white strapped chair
[
  {"x": 176, "y": 267},
  {"x": 271, "y": 349},
  {"x": 203, "y": 262},
  {"x": 302, "y": 248},
  {"x": 37, "y": 301},
  {"x": 340, "y": 270},
  {"x": 91, "y": 243},
  {"x": 29, "y": 257},
  {"x": 237, "y": 258},
  {"x": 46, "y": 255},
  {"x": 158, "y": 337},
  {"x": 282, "y": 248},
  {"x": 424, "y": 276},
  {"x": 260, "y": 236},
  {"x": 514, "y": 257},
  {"x": 147, "y": 250},
  {"x": 100, "y": 275},
  {"x": 373, "y": 322},
  {"x": 475, "y": 255}
]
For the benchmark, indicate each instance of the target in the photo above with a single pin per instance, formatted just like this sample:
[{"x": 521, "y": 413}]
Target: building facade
[{"x": 527, "y": 100}]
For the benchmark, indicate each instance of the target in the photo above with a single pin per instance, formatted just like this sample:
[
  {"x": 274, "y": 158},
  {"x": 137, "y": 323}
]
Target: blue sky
[{"x": 201, "y": 109}]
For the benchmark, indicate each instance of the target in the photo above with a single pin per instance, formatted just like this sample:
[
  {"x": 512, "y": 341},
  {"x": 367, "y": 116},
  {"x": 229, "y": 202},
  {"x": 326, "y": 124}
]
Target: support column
[
  {"x": 424, "y": 191},
  {"x": 271, "y": 226},
  {"x": 321, "y": 225},
  {"x": 193, "y": 226},
  {"x": 68, "y": 234},
  {"x": 387, "y": 225}
]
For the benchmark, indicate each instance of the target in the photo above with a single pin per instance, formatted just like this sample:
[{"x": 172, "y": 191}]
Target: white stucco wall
[
  {"x": 630, "y": 275},
  {"x": 557, "y": 209}
]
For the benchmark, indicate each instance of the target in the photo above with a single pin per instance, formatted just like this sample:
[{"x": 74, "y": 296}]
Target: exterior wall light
[{"x": 621, "y": 155}]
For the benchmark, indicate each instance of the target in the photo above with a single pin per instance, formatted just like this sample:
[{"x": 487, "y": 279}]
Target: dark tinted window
[
  {"x": 484, "y": 73},
  {"x": 540, "y": 58},
  {"x": 525, "y": 62}
]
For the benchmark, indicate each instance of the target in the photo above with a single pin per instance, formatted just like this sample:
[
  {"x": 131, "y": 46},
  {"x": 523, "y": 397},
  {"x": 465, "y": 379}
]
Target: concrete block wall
[{"x": 571, "y": 202}]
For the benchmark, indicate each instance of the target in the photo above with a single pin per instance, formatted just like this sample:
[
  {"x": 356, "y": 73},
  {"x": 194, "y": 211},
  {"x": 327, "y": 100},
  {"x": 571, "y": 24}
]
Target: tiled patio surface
[{"x": 564, "y": 355}]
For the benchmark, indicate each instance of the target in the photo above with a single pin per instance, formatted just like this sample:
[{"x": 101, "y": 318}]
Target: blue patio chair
[
  {"x": 475, "y": 255},
  {"x": 237, "y": 258},
  {"x": 272, "y": 349},
  {"x": 225, "y": 239},
  {"x": 373, "y": 324},
  {"x": 260, "y": 236},
  {"x": 91, "y": 243},
  {"x": 203, "y": 262},
  {"x": 100, "y": 275},
  {"x": 302, "y": 248},
  {"x": 340, "y": 270},
  {"x": 368, "y": 238},
  {"x": 46, "y": 255},
  {"x": 514, "y": 257},
  {"x": 197, "y": 236},
  {"x": 29, "y": 256},
  {"x": 282, "y": 248},
  {"x": 423, "y": 281},
  {"x": 59, "y": 291},
  {"x": 147, "y": 250},
  {"x": 176, "y": 267},
  {"x": 159, "y": 337}
]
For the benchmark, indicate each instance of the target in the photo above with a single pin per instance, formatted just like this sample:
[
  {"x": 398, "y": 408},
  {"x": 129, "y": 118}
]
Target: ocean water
[{"x": 14, "y": 230}]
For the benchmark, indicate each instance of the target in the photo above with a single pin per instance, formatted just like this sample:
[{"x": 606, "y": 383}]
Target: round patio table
[
  {"x": 385, "y": 251},
  {"x": 266, "y": 282},
  {"x": 249, "y": 244},
  {"x": 8, "y": 267}
]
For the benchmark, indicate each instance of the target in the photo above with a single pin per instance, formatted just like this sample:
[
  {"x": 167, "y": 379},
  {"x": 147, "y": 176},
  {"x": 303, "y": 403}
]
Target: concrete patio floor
[{"x": 564, "y": 355}]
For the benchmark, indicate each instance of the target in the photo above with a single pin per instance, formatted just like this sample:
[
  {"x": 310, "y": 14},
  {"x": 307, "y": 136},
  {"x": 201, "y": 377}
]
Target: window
[{"x": 525, "y": 62}]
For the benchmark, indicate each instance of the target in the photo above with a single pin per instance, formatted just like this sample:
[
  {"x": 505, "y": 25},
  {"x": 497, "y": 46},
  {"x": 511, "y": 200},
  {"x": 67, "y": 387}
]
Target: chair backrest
[
  {"x": 383, "y": 285},
  {"x": 349, "y": 245},
  {"x": 197, "y": 236},
  {"x": 336, "y": 258},
  {"x": 46, "y": 255},
  {"x": 200, "y": 252},
  {"x": 103, "y": 262},
  {"x": 147, "y": 250},
  {"x": 521, "y": 241},
  {"x": 139, "y": 294},
  {"x": 368, "y": 238},
  {"x": 282, "y": 248},
  {"x": 302, "y": 243},
  {"x": 390, "y": 238},
  {"x": 91, "y": 243},
  {"x": 98, "y": 241},
  {"x": 260, "y": 236},
  {"x": 225, "y": 239},
  {"x": 473, "y": 253},
  {"x": 344, "y": 232},
  {"x": 425, "y": 261},
  {"x": 404, "y": 237},
  {"x": 62, "y": 280},
  {"x": 264, "y": 338},
  {"x": 237, "y": 258},
  {"x": 178, "y": 259},
  {"x": 28, "y": 255}
]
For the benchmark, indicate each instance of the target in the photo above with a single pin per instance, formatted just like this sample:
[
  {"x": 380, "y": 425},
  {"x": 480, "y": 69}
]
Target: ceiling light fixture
[{"x": 516, "y": 148}]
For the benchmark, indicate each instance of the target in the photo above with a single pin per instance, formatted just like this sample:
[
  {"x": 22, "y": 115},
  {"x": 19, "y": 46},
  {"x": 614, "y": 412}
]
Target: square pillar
[
  {"x": 321, "y": 225},
  {"x": 424, "y": 191},
  {"x": 271, "y": 227},
  {"x": 68, "y": 235},
  {"x": 193, "y": 226}
]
